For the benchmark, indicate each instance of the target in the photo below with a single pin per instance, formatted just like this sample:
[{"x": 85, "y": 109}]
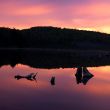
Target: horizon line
[{"x": 74, "y": 28}]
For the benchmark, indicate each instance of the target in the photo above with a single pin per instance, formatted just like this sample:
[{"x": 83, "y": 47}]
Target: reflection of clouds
[
  {"x": 101, "y": 73},
  {"x": 64, "y": 78},
  {"x": 99, "y": 88},
  {"x": 65, "y": 95}
]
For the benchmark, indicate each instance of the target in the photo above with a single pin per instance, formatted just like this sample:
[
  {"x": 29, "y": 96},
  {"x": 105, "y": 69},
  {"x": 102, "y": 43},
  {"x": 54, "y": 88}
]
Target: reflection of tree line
[
  {"x": 82, "y": 76},
  {"x": 39, "y": 58}
]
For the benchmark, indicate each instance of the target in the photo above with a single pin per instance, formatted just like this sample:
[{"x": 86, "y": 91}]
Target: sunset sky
[{"x": 81, "y": 14}]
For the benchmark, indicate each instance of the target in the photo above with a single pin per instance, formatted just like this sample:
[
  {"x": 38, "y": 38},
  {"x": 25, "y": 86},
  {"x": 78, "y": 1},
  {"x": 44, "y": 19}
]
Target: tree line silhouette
[{"x": 53, "y": 38}]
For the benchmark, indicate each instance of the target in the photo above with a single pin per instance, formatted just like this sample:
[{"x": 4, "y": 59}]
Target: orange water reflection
[
  {"x": 95, "y": 92},
  {"x": 66, "y": 76}
]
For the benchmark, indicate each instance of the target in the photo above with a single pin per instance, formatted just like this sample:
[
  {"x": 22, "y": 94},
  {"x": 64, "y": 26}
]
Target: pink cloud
[{"x": 72, "y": 14}]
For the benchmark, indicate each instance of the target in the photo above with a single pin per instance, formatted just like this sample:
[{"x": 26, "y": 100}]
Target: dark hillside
[{"x": 53, "y": 38}]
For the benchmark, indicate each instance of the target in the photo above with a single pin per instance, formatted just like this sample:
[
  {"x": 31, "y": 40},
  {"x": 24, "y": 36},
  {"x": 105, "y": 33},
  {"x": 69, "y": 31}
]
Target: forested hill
[{"x": 53, "y": 38}]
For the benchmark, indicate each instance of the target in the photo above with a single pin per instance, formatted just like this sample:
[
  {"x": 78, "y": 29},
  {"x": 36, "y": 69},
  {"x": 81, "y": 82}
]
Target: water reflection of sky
[{"x": 64, "y": 95}]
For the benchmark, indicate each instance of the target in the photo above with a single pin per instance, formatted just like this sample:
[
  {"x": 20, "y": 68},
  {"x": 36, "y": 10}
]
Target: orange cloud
[
  {"x": 89, "y": 15},
  {"x": 32, "y": 11},
  {"x": 92, "y": 16}
]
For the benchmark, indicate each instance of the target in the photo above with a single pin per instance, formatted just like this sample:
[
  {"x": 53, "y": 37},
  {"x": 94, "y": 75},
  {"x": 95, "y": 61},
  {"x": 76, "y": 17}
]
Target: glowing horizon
[{"x": 85, "y": 15}]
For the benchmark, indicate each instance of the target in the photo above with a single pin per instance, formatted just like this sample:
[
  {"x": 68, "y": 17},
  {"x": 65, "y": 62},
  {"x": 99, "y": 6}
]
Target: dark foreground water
[{"x": 65, "y": 94}]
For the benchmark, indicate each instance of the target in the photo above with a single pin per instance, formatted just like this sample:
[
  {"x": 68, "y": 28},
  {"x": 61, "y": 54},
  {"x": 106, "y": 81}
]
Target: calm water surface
[{"x": 66, "y": 94}]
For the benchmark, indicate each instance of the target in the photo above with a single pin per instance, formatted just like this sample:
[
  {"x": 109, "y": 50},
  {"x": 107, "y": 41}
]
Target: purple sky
[{"x": 82, "y": 14}]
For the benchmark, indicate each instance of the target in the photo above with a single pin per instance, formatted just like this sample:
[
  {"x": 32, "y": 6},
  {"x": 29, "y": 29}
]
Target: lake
[
  {"x": 64, "y": 94},
  {"x": 58, "y": 85}
]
